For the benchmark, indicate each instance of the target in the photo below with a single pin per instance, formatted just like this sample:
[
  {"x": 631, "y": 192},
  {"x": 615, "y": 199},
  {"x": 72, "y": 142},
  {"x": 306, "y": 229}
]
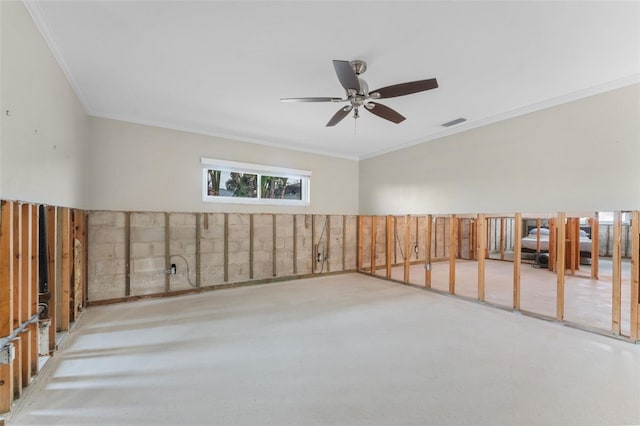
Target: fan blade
[
  {"x": 311, "y": 99},
  {"x": 384, "y": 112},
  {"x": 347, "y": 77},
  {"x": 406, "y": 88},
  {"x": 338, "y": 116}
]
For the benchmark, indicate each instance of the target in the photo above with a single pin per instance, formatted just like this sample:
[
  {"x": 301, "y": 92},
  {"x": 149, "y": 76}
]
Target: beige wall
[
  {"x": 580, "y": 156},
  {"x": 44, "y": 136},
  {"x": 143, "y": 168}
]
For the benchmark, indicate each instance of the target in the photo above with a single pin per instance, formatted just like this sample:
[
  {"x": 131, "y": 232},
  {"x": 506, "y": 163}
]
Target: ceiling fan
[{"x": 358, "y": 93}]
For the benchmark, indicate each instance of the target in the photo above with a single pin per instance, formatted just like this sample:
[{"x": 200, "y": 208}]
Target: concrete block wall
[
  {"x": 106, "y": 255},
  {"x": 250, "y": 254},
  {"x": 304, "y": 243},
  {"x": 147, "y": 253},
  {"x": 212, "y": 249},
  {"x": 351, "y": 242}
]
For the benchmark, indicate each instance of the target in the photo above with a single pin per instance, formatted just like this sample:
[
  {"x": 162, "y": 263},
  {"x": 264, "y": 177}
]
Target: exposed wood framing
[
  {"x": 226, "y": 247},
  {"x": 6, "y": 301},
  {"x": 167, "y": 251},
  {"x": 65, "y": 296},
  {"x": 481, "y": 224},
  {"x": 327, "y": 219},
  {"x": 435, "y": 237},
  {"x": 360, "y": 238},
  {"x": 560, "y": 265},
  {"x": 295, "y": 244},
  {"x": 635, "y": 276},
  {"x": 553, "y": 237},
  {"x": 344, "y": 242},
  {"x": 388, "y": 247},
  {"x": 407, "y": 244},
  {"x": 459, "y": 244},
  {"x": 198, "y": 217},
  {"x": 127, "y": 253},
  {"x": 314, "y": 248},
  {"x": 595, "y": 246},
  {"x": 34, "y": 284},
  {"x": 26, "y": 311},
  {"x": 517, "y": 259},
  {"x": 452, "y": 254},
  {"x": 251, "y": 231},
  {"x": 502, "y": 237},
  {"x": 428, "y": 229},
  {"x": 274, "y": 271},
  {"x": 373, "y": 244},
  {"x": 616, "y": 294},
  {"x": 85, "y": 254},
  {"x": 52, "y": 251}
]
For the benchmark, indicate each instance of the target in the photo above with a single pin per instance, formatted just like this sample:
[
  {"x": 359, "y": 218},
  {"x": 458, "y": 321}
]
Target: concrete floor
[
  {"x": 339, "y": 350},
  {"x": 587, "y": 301}
]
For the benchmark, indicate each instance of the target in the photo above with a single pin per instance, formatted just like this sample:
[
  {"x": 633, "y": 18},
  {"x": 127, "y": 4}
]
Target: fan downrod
[{"x": 359, "y": 66}]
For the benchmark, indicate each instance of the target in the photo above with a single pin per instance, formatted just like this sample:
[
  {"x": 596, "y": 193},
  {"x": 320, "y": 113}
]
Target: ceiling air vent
[{"x": 454, "y": 122}]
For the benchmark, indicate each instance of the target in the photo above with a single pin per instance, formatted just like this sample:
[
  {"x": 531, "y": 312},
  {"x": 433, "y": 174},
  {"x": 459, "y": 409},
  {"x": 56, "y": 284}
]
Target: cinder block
[
  {"x": 148, "y": 234},
  {"x": 149, "y": 264}
]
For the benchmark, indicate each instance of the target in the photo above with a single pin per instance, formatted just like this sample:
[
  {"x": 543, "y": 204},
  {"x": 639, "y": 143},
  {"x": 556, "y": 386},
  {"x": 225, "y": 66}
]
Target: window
[{"x": 232, "y": 182}]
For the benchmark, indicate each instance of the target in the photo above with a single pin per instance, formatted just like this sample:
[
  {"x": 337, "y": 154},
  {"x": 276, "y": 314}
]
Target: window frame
[{"x": 259, "y": 170}]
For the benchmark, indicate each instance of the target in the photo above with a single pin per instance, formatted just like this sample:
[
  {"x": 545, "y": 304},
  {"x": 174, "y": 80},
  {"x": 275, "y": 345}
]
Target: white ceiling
[{"x": 220, "y": 67}]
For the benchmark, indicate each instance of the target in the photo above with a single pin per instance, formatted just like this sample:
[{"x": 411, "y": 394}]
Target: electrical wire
[
  {"x": 324, "y": 258},
  {"x": 187, "y": 264}
]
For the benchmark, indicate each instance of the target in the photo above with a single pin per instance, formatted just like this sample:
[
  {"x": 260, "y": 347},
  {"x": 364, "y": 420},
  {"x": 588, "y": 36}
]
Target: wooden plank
[
  {"x": 167, "y": 251},
  {"x": 576, "y": 238},
  {"x": 502, "y": 237},
  {"x": 6, "y": 300},
  {"x": 459, "y": 244},
  {"x": 373, "y": 244},
  {"x": 274, "y": 271},
  {"x": 85, "y": 253},
  {"x": 560, "y": 265},
  {"x": 427, "y": 251},
  {"x": 295, "y": 244},
  {"x": 127, "y": 254},
  {"x": 407, "y": 245},
  {"x": 616, "y": 294},
  {"x": 388, "y": 248},
  {"x": 595, "y": 246},
  {"x": 314, "y": 248},
  {"x": 517, "y": 259},
  {"x": 452, "y": 254},
  {"x": 481, "y": 223},
  {"x": 328, "y": 240},
  {"x": 635, "y": 276},
  {"x": 435, "y": 237},
  {"x": 251, "y": 232},
  {"x": 52, "y": 251},
  {"x": 553, "y": 237},
  {"x": 198, "y": 249},
  {"x": 344, "y": 242},
  {"x": 360, "y": 244},
  {"x": 226, "y": 247},
  {"x": 16, "y": 256},
  {"x": 33, "y": 287},
  {"x": 65, "y": 288},
  {"x": 27, "y": 295}
]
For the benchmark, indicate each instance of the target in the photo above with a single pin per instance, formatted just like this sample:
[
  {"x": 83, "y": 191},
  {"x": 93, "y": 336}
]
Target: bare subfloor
[{"x": 342, "y": 350}]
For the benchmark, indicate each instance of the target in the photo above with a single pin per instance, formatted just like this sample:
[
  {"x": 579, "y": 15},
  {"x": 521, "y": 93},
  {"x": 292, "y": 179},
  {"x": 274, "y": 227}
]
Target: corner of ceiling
[{"x": 38, "y": 18}]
